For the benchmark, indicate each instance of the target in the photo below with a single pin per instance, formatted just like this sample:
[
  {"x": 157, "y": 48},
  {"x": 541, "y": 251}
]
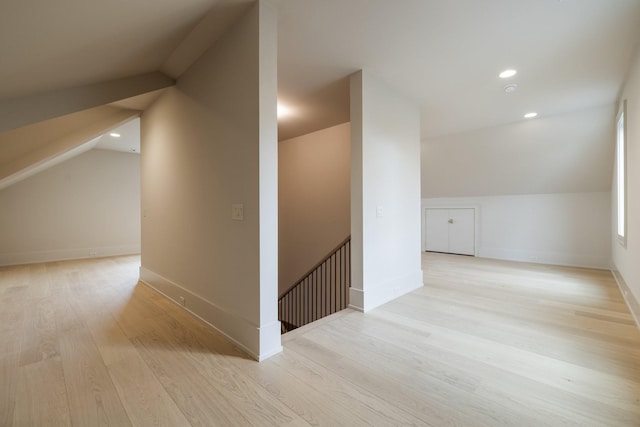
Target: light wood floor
[{"x": 484, "y": 343}]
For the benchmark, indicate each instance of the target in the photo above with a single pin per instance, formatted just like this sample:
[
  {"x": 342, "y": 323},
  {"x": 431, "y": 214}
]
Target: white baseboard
[
  {"x": 629, "y": 298},
  {"x": 67, "y": 254},
  {"x": 553, "y": 258},
  {"x": 260, "y": 342},
  {"x": 375, "y": 295}
]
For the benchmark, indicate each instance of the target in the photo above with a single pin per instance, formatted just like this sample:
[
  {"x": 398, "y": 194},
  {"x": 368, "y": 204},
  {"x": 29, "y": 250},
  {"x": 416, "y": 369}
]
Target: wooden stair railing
[{"x": 322, "y": 291}]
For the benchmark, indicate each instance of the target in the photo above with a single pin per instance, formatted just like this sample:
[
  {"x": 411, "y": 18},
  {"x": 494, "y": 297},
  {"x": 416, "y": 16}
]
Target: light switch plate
[
  {"x": 237, "y": 212},
  {"x": 379, "y": 211}
]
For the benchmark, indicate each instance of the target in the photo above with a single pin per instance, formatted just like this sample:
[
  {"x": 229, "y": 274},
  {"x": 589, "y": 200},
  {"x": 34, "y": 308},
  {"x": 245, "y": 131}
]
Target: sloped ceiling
[
  {"x": 62, "y": 63},
  {"x": 41, "y": 145},
  {"x": 566, "y": 153},
  {"x": 19, "y": 142},
  {"x": 49, "y": 45},
  {"x": 128, "y": 140},
  {"x": 571, "y": 55}
]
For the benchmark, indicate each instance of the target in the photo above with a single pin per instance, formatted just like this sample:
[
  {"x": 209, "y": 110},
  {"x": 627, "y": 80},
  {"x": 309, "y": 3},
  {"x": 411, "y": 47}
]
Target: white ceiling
[
  {"x": 565, "y": 153},
  {"x": 127, "y": 142},
  {"x": 570, "y": 54},
  {"x": 48, "y": 45}
]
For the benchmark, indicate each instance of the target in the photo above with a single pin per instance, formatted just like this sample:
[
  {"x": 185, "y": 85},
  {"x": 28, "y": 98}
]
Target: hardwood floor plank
[
  {"x": 145, "y": 400},
  {"x": 9, "y": 368},
  {"x": 171, "y": 358},
  {"x": 527, "y": 336},
  {"x": 497, "y": 383},
  {"x": 417, "y": 373},
  {"x": 202, "y": 404},
  {"x": 484, "y": 343},
  {"x": 93, "y": 399},
  {"x": 110, "y": 340},
  {"x": 528, "y": 311},
  {"x": 386, "y": 388},
  {"x": 39, "y": 337},
  {"x": 41, "y": 398},
  {"x": 363, "y": 403}
]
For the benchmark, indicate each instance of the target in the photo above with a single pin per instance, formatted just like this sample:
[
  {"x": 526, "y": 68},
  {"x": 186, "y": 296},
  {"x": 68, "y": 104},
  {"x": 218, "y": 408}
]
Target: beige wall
[
  {"x": 314, "y": 199},
  {"x": 86, "y": 206},
  {"x": 208, "y": 143}
]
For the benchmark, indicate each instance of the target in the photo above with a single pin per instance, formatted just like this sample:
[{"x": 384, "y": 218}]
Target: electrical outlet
[{"x": 182, "y": 301}]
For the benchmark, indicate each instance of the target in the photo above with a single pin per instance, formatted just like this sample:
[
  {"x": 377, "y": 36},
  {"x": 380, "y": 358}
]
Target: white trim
[
  {"x": 622, "y": 115},
  {"x": 67, "y": 254},
  {"x": 372, "y": 297},
  {"x": 629, "y": 298},
  {"x": 260, "y": 342}
]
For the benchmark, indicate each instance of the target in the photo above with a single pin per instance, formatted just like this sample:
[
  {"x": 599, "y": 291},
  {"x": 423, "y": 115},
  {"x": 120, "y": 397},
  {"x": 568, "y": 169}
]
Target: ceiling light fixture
[
  {"x": 510, "y": 88},
  {"x": 508, "y": 73},
  {"x": 530, "y": 115},
  {"x": 115, "y": 135},
  {"x": 283, "y": 111}
]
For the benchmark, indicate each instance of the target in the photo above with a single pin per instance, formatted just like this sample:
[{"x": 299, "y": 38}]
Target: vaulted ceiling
[
  {"x": 446, "y": 55},
  {"x": 570, "y": 54}
]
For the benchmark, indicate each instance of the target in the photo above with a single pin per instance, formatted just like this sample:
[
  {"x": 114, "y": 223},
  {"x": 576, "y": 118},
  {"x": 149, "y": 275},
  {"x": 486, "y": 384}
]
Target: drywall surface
[
  {"x": 314, "y": 199},
  {"x": 565, "y": 229},
  {"x": 385, "y": 193},
  {"x": 86, "y": 206},
  {"x": 208, "y": 144},
  {"x": 567, "y": 153},
  {"x": 626, "y": 257}
]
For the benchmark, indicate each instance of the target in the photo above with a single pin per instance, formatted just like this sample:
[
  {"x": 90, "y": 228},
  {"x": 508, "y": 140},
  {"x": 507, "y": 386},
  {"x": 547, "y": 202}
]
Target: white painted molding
[
  {"x": 629, "y": 298},
  {"x": 372, "y": 297},
  {"x": 67, "y": 254},
  {"x": 258, "y": 342}
]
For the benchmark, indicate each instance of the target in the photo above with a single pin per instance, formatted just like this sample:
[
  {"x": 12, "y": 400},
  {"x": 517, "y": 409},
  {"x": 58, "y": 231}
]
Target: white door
[
  {"x": 461, "y": 231},
  {"x": 437, "y": 230},
  {"x": 450, "y": 230}
]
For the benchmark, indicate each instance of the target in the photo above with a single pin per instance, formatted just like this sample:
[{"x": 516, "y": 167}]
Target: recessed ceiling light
[
  {"x": 510, "y": 88},
  {"x": 508, "y": 73},
  {"x": 530, "y": 115},
  {"x": 115, "y": 135}
]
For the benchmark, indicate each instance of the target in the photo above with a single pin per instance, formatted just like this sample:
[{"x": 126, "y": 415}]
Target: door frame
[{"x": 476, "y": 229}]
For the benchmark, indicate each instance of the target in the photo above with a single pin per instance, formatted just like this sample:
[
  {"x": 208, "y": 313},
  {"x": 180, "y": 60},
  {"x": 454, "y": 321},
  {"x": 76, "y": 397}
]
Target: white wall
[
  {"x": 385, "y": 193},
  {"x": 567, "y": 153},
  {"x": 541, "y": 186},
  {"x": 86, "y": 206},
  {"x": 314, "y": 199},
  {"x": 626, "y": 259},
  {"x": 208, "y": 143},
  {"x": 565, "y": 229}
]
